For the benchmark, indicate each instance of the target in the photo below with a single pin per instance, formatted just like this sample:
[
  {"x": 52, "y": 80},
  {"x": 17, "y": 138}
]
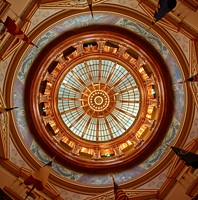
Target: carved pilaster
[
  {"x": 60, "y": 58},
  {"x": 96, "y": 154},
  {"x": 49, "y": 77},
  {"x": 153, "y": 102},
  {"x": 139, "y": 62},
  {"x": 58, "y": 137},
  {"x": 4, "y": 136},
  {"x": 44, "y": 98},
  {"x": 150, "y": 81},
  {"x": 101, "y": 44},
  {"x": 149, "y": 123},
  {"x": 47, "y": 119},
  {"x": 136, "y": 141},
  {"x": 79, "y": 48},
  {"x": 118, "y": 152},
  {"x": 121, "y": 50},
  {"x": 76, "y": 149}
]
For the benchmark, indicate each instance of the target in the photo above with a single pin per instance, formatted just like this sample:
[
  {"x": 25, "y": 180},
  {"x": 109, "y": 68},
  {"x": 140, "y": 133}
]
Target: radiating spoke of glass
[
  {"x": 77, "y": 90},
  {"x": 89, "y": 74},
  {"x": 124, "y": 118},
  {"x": 77, "y": 120},
  {"x": 119, "y": 81},
  {"x": 117, "y": 74},
  {"x": 115, "y": 127},
  {"x": 104, "y": 131},
  {"x": 99, "y": 74},
  {"x": 93, "y": 66},
  {"x": 110, "y": 75},
  {"x": 81, "y": 122},
  {"x": 109, "y": 128},
  {"x": 81, "y": 71},
  {"x": 97, "y": 129},
  {"x": 91, "y": 130},
  {"x": 70, "y": 110},
  {"x": 72, "y": 81},
  {"x": 72, "y": 99},
  {"x": 126, "y": 90},
  {"x": 116, "y": 119},
  {"x": 98, "y": 100},
  {"x": 86, "y": 126},
  {"x": 126, "y": 113},
  {"x": 80, "y": 80},
  {"x": 127, "y": 101}
]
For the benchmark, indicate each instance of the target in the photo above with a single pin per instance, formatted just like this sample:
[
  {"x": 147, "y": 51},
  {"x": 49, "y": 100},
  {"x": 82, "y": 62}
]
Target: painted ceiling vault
[{"x": 101, "y": 94}]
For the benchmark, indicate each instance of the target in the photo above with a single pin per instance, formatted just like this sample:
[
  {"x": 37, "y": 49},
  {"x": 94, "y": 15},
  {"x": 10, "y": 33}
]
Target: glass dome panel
[{"x": 98, "y": 100}]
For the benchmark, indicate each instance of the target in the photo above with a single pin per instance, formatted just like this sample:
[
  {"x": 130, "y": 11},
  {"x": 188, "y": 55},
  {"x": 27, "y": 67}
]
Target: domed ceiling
[{"x": 99, "y": 97}]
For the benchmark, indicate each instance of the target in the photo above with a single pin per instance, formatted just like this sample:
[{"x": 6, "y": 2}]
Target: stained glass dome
[{"x": 98, "y": 99}]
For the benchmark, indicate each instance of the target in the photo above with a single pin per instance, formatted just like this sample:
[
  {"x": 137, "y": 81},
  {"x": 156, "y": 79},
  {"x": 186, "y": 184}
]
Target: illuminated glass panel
[
  {"x": 80, "y": 69},
  {"x": 81, "y": 116},
  {"x": 116, "y": 129}
]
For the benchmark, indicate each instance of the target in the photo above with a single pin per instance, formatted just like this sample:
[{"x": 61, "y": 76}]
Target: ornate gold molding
[
  {"x": 67, "y": 3},
  {"x": 194, "y": 68},
  {"x": 143, "y": 194},
  {"x": 4, "y": 131}
]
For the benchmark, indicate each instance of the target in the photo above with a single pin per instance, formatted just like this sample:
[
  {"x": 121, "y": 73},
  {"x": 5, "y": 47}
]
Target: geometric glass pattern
[{"x": 98, "y": 100}]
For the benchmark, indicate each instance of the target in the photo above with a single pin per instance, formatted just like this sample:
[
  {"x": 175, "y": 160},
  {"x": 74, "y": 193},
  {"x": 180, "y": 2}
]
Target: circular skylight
[{"x": 98, "y": 99}]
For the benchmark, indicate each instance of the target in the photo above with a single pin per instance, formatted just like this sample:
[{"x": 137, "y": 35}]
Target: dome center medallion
[{"x": 98, "y": 100}]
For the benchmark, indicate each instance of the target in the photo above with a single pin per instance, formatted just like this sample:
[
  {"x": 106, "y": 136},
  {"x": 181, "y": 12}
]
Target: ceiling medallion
[{"x": 99, "y": 99}]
